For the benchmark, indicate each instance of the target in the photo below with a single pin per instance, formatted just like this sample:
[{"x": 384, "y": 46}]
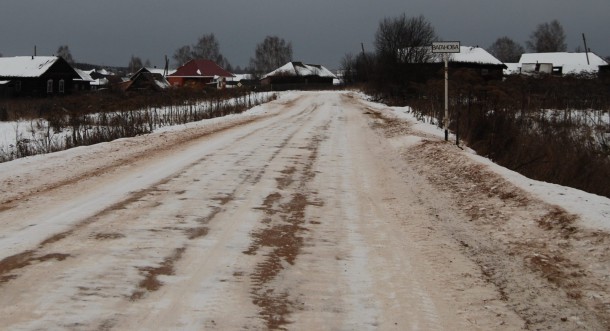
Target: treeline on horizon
[{"x": 269, "y": 54}]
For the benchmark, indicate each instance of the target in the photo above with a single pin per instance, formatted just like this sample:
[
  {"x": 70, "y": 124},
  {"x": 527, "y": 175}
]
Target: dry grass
[{"x": 548, "y": 128}]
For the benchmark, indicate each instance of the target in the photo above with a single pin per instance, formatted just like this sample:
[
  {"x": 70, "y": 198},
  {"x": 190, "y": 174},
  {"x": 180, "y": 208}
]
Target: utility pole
[
  {"x": 446, "y": 118},
  {"x": 586, "y": 49},
  {"x": 166, "y": 67}
]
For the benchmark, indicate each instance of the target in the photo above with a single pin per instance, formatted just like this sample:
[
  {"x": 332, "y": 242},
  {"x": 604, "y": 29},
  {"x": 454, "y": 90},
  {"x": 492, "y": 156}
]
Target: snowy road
[{"x": 312, "y": 213}]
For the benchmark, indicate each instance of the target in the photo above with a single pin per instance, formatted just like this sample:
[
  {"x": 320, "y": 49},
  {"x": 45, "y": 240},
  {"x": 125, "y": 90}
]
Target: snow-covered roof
[
  {"x": 571, "y": 63},
  {"x": 100, "y": 82},
  {"x": 239, "y": 77},
  {"x": 160, "y": 71},
  {"x": 84, "y": 75},
  {"x": 26, "y": 66},
  {"x": 469, "y": 54},
  {"x": 163, "y": 84},
  {"x": 104, "y": 72},
  {"x": 301, "y": 69},
  {"x": 512, "y": 68}
]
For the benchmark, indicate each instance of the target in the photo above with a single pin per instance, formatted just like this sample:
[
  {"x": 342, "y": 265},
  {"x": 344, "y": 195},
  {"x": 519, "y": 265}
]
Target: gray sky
[{"x": 108, "y": 32}]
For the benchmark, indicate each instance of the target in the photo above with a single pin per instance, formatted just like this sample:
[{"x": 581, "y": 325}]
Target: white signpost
[{"x": 446, "y": 47}]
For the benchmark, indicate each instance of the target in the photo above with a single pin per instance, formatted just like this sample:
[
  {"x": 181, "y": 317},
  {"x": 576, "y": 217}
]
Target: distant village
[{"x": 39, "y": 76}]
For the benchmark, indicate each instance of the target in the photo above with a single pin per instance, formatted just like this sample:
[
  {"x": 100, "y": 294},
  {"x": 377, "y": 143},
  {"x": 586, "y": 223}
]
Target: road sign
[{"x": 446, "y": 47}]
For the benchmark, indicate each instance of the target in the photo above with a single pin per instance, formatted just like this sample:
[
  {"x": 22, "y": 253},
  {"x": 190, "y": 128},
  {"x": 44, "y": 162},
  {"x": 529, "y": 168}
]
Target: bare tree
[
  {"x": 207, "y": 47},
  {"x": 348, "y": 68},
  {"x": 357, "y": 68},
  {"x": 403, "y": 40},
  {"x": 64, "y": 52},
  {"x": 548, "y": 37},
  {"x": 183, "y": 54},
  {"x": 270, "y": 54},
  {"x": 506, "y": 50},
  {"x": 135, "y": 64}
]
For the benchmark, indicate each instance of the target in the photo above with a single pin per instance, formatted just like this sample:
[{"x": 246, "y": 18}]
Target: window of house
[
  {"x": 61, "y": 86},
  {"x": 50, "y": 86},
  {"x": 18, "y": 86}
]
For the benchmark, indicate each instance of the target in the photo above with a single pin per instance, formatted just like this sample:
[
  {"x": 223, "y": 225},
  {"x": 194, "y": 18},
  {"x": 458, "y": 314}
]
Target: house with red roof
[{"x": 198, "y": 73}]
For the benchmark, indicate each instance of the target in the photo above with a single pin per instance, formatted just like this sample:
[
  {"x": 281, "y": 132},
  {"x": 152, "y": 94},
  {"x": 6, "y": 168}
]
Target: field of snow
[{"x": 31, "y": 137}]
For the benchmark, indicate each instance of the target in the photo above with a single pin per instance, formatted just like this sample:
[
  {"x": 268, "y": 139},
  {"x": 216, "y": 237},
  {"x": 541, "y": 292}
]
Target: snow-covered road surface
[{"x": 318, "y": 211}]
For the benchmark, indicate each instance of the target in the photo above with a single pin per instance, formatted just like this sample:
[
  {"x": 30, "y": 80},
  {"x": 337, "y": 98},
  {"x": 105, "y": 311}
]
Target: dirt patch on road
[
  {"x": 281, "y": 239},
  {"x": 151, "y": 282},
  {"x": 22, "y": 260},
  {"x": 108, "y": 236}
]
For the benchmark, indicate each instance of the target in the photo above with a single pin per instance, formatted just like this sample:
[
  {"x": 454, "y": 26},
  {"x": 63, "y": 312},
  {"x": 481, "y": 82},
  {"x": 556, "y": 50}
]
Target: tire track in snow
[
  {"x": 282, "y": 238},
  {"x": 148, "y": 199},
  {"x": 25, "y": 258}
]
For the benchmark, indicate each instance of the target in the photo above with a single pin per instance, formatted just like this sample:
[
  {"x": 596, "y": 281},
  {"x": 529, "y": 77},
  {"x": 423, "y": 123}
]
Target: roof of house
[
  {"x": 84, "y": 75},
  {"x": 200, "y": 68},
  {"x": 155, "y": 80},
  {"x": 26, "y": 66},
  {"x": 160, "y": 71},
  {"x": 238, "y": 77},
  {"x": 571, "y": 62},
  {"x": 470, "y": 54},
  {"x": 301, "y": 69}
]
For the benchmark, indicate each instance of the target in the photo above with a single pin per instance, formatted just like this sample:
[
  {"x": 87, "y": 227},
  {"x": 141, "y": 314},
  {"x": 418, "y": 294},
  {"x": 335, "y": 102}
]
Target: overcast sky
[{"x": 108, "y": 32}]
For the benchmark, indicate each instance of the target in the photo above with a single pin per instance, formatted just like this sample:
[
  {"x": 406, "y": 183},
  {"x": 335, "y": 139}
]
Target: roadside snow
[{"x": 594, "y": 210}]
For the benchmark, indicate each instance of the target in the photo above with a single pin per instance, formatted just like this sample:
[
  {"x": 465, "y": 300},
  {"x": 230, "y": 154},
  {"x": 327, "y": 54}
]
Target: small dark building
[
  {"x": 144, "y": 80},
  {"x": 297, "y": 75},
  {"x": 604, "y": 73},
  {"x": 84, "y": 82},
  {"x": 36, "y": 76}
]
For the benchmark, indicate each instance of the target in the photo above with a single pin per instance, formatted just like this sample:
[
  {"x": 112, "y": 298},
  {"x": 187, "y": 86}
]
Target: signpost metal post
[{"x": 445, "y": 48}]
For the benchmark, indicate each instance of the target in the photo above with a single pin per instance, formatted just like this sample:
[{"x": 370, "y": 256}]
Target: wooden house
[
  {"x": 83, "y": 83},
  {"x": 471, "y": 64},
  {"x": 144, "y": 80},
  {"x": 297, "y": 75},
  {"x": 36, "y": 76},
  {"x": 476, "y": 60},
  {"x": 198, "y": 73},
  {"x": 561, "y": 63}
]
